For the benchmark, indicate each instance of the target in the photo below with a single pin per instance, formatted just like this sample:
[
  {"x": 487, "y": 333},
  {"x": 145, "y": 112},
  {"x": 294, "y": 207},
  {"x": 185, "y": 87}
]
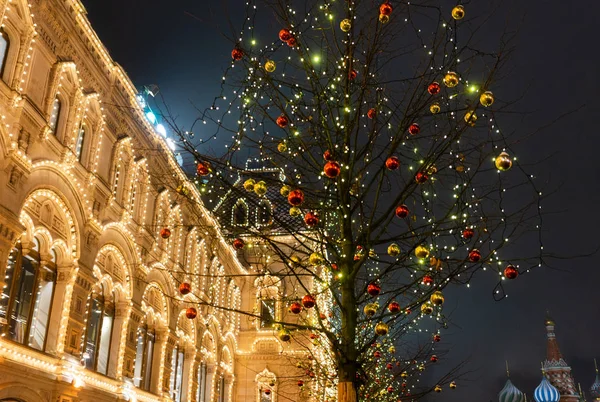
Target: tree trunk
[
  {"x": 346, "y": 392},
  {"x": 347, "y": 360}
]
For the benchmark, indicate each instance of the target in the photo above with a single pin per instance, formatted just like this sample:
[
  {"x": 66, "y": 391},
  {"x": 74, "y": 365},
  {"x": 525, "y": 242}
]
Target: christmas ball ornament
[
  {"x": 332, "y": 169},
  {"x": 181, "y": 189},
  {"x": 435, "y": 108},
  {"x": 285, "y": 190},
  {"x": 282, "y": 147},
  {"x": 260, "y": 188},
  {"x": 421, "y": 367},
  {"x": 503, "y": 162},
  {"x": 404, "y": 374},
  {"x": 402, "y": 211},
  {"x": 385, "y": 9},
  {"x": 377, "y": 354},
  {"x": 426, "y": 308},
  {"x": 270, "y": 66},
  {"x": 510, "y": 272},
  {"x": 237, "y": 54},
  {"x": 300, "y": 383},
  {"x": 434, "y": 88},
  {"x": 328, "y": 155},
  {"x": 474, "y": 255},
  {"x": 421, "y": 252},
  {"x": 295, "y": 212},
  {"x": 390, "y": 389},
  {"x": 203, "y": 168},
  {"x": 249, "y": 185},
  {"x": 452, "y": 385},
  {"x": 295, "y": 308},
  {"x": 433, "y": 359},
  {"x": 394, "y": 307},
  {"x": 470, "y": 118},
  {"x": 284, "y": 336},
  {"x": 382, "y": 329},
  {"x": 437, "y": 338},
  {"x": 393, "y": 250},
  {"x": 267, "y": 391},
  {"x": 313, "y": 335},
  {"x": 421, "y": 177},
  {"x": 238, "y": 244},
  {"x": 370, "y": 309},
  {"x": 437, "y": 388},
  {"x": 486, "y": 99},
  {"x": 165, "y": 233},
  {"x": 346, "y": 25},
  {"x": 468, "y": 233},
  {"x": 384, "y": 19},
  {"x": 352, "y": 75},
  {"x": 282, "y": 121},
  {"x": 414, "y": 129},
  {"x": 292, "y": 42},
  {"x": 437, "y": 298},
  {"x": 372, "y": 113},
  {"x": 451, "y": 79},
  {"x": 308, "y": 301},
  {"x": 392, "y": 163},
  {"x": 316, "y": 259},
  {"x": 296, "y": 197},
  {"x": 295, "y": 260},
  {"x": 458, "y": 12},
  {"x": 285, "y": 35},
  {"x": 311, "y": 219},
  {"x": 392, "y": 349},
  {"x": 191, "y": 313},
  {"x": 185, "y": 288},
  {"x": 373, "y": 289},
  {"x": 427, "y": 280},
  {"x": 389, "y": 366}
]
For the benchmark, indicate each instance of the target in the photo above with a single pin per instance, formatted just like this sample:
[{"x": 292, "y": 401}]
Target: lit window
[
  {"x": 240, "y": 214},
  {"x": 98, "y": 334},
  {"x": 55, "y": 114},
  {"x": 176, "y": 382},
  {"x": 267, "y": 313},
  {"x": 202, "y": 372},
  {"x": 4, "y": 45},
  {"x": 79, "y": 142},
  {"x": 264, "y": 215},
  {"x": 143, "y": 358}
]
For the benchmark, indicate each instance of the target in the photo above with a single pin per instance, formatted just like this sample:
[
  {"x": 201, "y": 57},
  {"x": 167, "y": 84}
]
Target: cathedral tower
[{"x": 557, "y": 369}]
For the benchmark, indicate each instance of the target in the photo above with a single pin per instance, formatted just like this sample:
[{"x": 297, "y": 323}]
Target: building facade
[{"x": 91, "y": 307}]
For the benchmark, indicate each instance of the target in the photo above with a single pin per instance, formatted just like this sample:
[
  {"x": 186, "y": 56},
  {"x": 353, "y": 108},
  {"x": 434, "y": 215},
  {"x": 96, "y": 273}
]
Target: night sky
[{"x": 181, "y": 46}]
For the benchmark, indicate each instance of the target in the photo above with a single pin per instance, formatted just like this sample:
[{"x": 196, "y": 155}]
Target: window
[
  {"x": 79, "y": 143},
  {"x": 98, "y": 334},
  {"x": 221, "y": 390},
  {"x": 26, "y": 301},
  {"x": 176, "y": 382},
  {"x": 143, "y": 358},
  {"x": 267, "y": 313},
  {"x": 202, "y": 372},
  {"x": 264, "y": 215},
  {"x": 4, "y": 46},
  {"x": 55, "y": 114},
  {"x": 240, "y": 213}
]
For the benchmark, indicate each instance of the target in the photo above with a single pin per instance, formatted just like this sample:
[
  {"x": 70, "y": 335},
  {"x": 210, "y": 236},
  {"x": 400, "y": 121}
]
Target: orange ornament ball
[
  {"x": 468, "y": 233},
  {"x": 308, "y": 301},
  {"x": 402, "y": 211},
  {"x": 296, "y": 308},
  {"x": 510, "y": 272},
  {"x": 292, "y": 42},
  {"x": 352, "y": 75},
  {"x": 328, "y": 155},
  {"x": 237, "y": 54},
  {"x": 282, "y": 121},
  {"x": 427, "y": 280},
  {"x": 238, "y": 244},
  {"x": 421, "y": 177},
  {"x": 386, "y": 9},
  {"x": 285, "y": 35},
  {"x": 311, "y": 219},
  {"x": 474, "y": 255},
  {"x": 394, "y": 307},
  {"x": 332, "y": 169},
  {"x": 295, "y": 197},
  {"x": 434, "y": 88},
  {"x": 414, "y": 129},
  {"x": 392, "y": 163},
  {"x": 372, "y": 113},
  {"x": 374, "y": 289},
  {"x": 191, "y": 313},
  {"x": 185, "y": 288},
  {"x": 203, "y": 168},
  {"x": 165, "y": 233}
]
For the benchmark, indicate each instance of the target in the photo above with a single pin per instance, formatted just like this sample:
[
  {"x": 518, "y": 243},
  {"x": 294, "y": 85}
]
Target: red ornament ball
[
  {"x": 402, "y": 211},
  {"x": 510, "y": 272},
  {"x": 414, "y": 129},
  {"x": 421, "y": 177},
  {"x": 392, "y": 163},
  {"x": 300, "y": 383},
  {"x": 332, "y": 169},
  {"x": 312, "y": 335},
  {"x": 308, "y": 301},
  {"x": 237, "y": 54},
  {"x": 311, "y": 219},
  {"x": 238, "y": 244},
  {"x": 468, "y": 233},
  {"x": 386, "y": 8},
  {"x": 352, "y": 75},
  {"x": 282, "y": 121},
  {"x": 474, "y": 255},
  {"x": 433, "y": 358},
  {"x": 285, "y": 35},
  {"x": 185, "y": 288},
  {"x": 296, "y": 308},
  {"x": 373, "y": 289},
  {"x": 427, "y": 280},
  {"x": 296, "y": 197},
  {"x": 165, "y": 233},
  {"x": 390, "y": 389},
  {"x": 389, "y": 366},
  {"x": 437, "y": 338},
  {"x": 372, "y": 113},
  {"x": 292, "y": 42},
  {"x": 328, "y": 155},
  {"x": 377, "y": 354},
  {"x": 203, "y": 168},
  {"x": 434, "y": 88},
  {"x": 191, "y": 313},
  {"x": 394, "y": 307},
  {"x": 267, "y": 391}
]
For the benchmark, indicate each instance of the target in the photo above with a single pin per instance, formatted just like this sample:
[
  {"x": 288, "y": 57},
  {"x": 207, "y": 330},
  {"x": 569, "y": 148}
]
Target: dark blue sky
[{"x": 179, "y": 45}]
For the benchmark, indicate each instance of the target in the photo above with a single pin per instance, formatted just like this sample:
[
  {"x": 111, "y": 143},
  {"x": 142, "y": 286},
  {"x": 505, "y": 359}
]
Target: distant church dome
[
  {"x": 510, "y": 393},
  {"x": 595, "y": 389},
  {"x": 546, "y": 392}
]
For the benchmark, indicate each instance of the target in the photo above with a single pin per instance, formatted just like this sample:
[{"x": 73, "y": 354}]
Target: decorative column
[
  {"x": 59, "y": 316},
  {"x": 10, "y": 231},
  {"x": 118, "y": 340},
  {"x": 161, "y": 336},
  {"x": 187, "y": 375},
  {"x": 211, "y": 369}
]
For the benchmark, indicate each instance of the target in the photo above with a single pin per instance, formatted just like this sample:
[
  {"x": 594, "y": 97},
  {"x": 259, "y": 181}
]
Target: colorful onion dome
[
  {"x": 510, "y": 393},
  {"x": 546, "y": 392},
  {"x": 595, "y": 389}
]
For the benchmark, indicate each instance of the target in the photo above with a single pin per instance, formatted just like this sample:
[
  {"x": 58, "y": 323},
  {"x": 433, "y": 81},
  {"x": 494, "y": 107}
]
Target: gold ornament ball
[
  {"x": 393, "y": 250},
  {"x": 392, "y": 349},
  {"x": 372, "y": 253},
  {"x": 486, "y": 99},
  {"x": 451, "y": 79},
  {"x": 249, "y": 185},
  {"x": 426, "y": 308},
  {"x": 437, "y": 388},
  {"x": 370, "y": 309},
  {"x": 470, "y": 118},
  {"x": 437, "y": 298},
  {"x": 453, "y": 385},
  {"x": 295, "y": 260},
  {"x": 270, "y": 66},
  {"x": 295, "y": 212},
  {"x": 346, "y": 25},
  {"x": 503, "y": 162},
  {"x": 282, "y": 147},
  {"x": 421, "y": 367},
  {"x": 315, "y": 259},
  {"x": 260, "y": 188},
  {"x": 435, "y": 108},
  {"x": 284, "y": 335},
  {"x": 404, "y": 374},
  {"x": 384, "y": 19},
  {"x": 285, "y": 190},
  {"x": 458, "y": 12},
  {"x": 382, "y": 329},
  {"x": 421, "y": 252}
]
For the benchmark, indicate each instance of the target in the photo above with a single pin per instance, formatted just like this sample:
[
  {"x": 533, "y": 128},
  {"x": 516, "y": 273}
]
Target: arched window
[
  {"x": 175, "y": 386},
  {"x": 55, "y": 114},
  {"x": 79, "y": 143},
  {"x": 4, "y": 46},
  {"x": 202, "y": 374},
  {"x": 26, "y": 301},
  {"x": 98, "y": 333},
  {"x": 264, "y": 216},
  {"x": 143, "y": 358},
  {"x": 240, "y": 214}
]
